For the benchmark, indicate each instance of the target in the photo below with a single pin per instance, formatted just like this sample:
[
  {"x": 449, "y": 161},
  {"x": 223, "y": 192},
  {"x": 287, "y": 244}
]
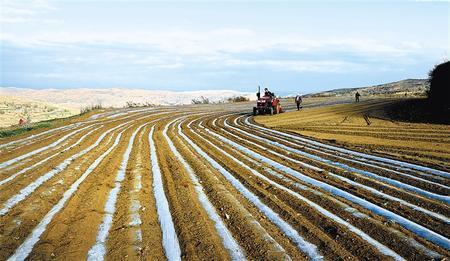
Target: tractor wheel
[{"x": 254, "y": 111}]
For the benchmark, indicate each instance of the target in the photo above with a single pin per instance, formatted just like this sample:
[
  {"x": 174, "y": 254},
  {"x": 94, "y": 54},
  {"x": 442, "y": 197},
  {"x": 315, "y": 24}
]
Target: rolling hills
[{"x": 408, "y": 87}]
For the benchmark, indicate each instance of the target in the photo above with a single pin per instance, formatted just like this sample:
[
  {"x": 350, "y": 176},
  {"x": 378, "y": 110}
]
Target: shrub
[
  {"x": 439, "y": 92},
  {"x": 201, "y": 100},
  {"x": 16, "y": 131},
  {"x": 131, "y": 104},
  {"x": 90, "y": 108},
  {"x": 238, "y": 99}
]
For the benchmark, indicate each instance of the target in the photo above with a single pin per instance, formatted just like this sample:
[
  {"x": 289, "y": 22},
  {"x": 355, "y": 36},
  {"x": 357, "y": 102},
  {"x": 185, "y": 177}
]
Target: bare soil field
[
  {"x": 212, "y": 183},
  {"x": 367, "y": 127}
]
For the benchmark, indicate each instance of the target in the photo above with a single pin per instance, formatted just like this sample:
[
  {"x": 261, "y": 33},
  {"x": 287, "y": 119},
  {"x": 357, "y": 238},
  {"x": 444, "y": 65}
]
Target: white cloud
[
  {"x": 299, "y": 65},
  {"x": 111, "y": 47},
  {"x": 186, "y": 41},
  {"x": 25, "y": 11},
  {"x": 218, "y": 41},
  {"x": 229, "y": 47}
]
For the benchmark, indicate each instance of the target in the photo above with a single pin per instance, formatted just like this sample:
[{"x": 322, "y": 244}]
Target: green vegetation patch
[{"x": 16, "y": 131}]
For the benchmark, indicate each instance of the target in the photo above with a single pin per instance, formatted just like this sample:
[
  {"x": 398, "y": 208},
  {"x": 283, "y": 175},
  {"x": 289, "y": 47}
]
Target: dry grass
[{"x": 14, "y": 108}]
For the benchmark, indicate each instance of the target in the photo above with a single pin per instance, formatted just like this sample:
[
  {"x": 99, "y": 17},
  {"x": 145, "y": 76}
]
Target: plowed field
[{"x": 209, "y": 183}]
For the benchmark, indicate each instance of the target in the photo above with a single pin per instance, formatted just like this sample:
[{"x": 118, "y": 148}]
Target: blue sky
[{"x": 290, "y": 46}]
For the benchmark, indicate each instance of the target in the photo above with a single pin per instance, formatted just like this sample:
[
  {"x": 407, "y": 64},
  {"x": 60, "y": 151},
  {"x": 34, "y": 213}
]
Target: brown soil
[{"x": 73, "y": 230}]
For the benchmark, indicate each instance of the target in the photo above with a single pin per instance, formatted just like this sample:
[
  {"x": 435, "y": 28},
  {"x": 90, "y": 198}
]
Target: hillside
[
  {"x": 46, "y": 104},
  {"x": 14, "y": 108},
  {"x": 116, "y": 97},
  {"x": 410, "y": 87}
]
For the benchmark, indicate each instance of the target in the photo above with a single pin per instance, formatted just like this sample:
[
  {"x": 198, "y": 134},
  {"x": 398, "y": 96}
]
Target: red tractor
[{"x": 267, "y": 104}]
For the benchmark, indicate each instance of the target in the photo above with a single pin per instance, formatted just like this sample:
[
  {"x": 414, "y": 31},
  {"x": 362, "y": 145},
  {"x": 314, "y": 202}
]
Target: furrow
[
  {"x": 24, "y": 170},
  {"x": 22, "y": 252},
  {"x": 338, "y": 206},
  {"x": 306, "y": 247},
  {"x": 234, "y": 249},
  {"x": 383, "y": 249},
  {"x": 169, "y": 236},
  {"x": 393, "y": 182},
  {"x": 413, "y": 227},
  {"x": 381, "y": 167},
  {"x": 25, "y": 192},
  {"x": 374, "y": 191},
  {"x": 31, "y": 153},
  {"x": 98, "y": 250},
  {"x": 243, "y": 220},
  {"x": 359, "y": 154}
]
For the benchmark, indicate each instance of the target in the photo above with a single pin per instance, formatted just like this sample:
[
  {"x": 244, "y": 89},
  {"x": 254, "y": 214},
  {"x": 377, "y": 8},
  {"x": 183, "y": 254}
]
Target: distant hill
[
  {"x": 46, "y": 104},
  {"x": 410, "y": 87},
  {"x": 14, "y": 108},
  {"x": 117, "y": 97},
  {"x": 43, "y": 104}
]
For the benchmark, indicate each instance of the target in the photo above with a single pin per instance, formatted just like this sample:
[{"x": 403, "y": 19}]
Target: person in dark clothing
[
  {"x": 268, "y": 93},
  {"x": 357, "y": 95},
  {"x": 298, "y": 101}
]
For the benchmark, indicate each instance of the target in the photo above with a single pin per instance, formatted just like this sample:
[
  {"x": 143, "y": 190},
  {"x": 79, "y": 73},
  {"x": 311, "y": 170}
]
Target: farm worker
[
  {"x": 268, "y": 93},
  {"x": 298, "y": 100},
  {"x": 357, "y": 96}
]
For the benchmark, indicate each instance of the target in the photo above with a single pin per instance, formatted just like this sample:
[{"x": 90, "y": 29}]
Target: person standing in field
[
  {"x": 357, "y": 96},
  {"x": 298, "y": 101}
]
